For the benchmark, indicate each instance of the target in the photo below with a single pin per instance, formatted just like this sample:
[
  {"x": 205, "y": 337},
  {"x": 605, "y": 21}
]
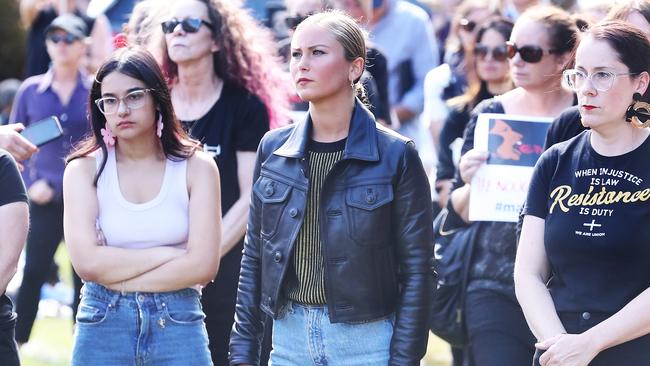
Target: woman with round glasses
[
  {"x": 142, "y": 223},
  {"x": 541, "y": 41},
  {"x": 583, "y": 270},
  {"x": 227, "y": 90},
  {"x": 637, "y": 14}
]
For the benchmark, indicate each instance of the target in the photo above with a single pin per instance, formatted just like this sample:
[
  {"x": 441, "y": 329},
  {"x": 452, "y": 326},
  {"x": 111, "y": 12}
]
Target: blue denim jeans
[
  {"x": 304, "y": 336},
  {"x": 139, "y": 328}
]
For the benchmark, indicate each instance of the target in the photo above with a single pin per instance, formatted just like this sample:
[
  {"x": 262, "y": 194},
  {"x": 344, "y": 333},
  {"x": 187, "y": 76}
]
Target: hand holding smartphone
[{"x": 41, "y": 132}]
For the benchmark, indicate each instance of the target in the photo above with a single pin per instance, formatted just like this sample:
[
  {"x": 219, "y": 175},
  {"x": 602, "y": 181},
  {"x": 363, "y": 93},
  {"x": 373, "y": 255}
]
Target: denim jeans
[
  {"x": 304, "y": 336},
  {"x": 140, "y": 328}
]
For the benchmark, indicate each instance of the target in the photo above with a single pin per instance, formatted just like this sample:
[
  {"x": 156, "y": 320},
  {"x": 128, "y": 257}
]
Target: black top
[
  {"x": 596, "y": 233},
  {"x": 564, "y": 127},
  {"x": 452, "y": 129},
  {"x": 236, "y": 122},
  {"x": 493, "y": 259},
  {"x": 38, "y": 60},
  {"x": 12, "y": 188}
]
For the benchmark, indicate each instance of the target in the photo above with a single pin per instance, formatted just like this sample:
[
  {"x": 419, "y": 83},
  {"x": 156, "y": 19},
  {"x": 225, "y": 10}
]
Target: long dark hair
[
  {"x": 139, "y": 64},
  {"x": 477, "y": 87}
]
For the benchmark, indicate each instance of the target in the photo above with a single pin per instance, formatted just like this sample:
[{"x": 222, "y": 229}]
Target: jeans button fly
[
  {"x": 140, "y": 297},
  {"x": 277, "y": 257}
]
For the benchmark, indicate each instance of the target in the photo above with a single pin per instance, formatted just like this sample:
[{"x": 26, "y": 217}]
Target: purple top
[{"x": 36, "y": 100}]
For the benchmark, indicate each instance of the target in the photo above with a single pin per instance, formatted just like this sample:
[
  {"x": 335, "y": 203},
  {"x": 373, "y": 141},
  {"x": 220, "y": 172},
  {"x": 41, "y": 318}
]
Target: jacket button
[
  {"x": 293, "y": 212},
  {"x": 268, "y": 300},
  {"x": 268, "y": 191},
  {"x": 586, "y": 315},
  {"x": 277, "y": 257},
  {"x": 370, "y": 199}
]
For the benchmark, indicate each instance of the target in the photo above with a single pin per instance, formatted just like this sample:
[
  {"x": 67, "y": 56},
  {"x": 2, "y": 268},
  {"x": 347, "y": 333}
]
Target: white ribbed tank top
[{"x": 163, "y": 221}]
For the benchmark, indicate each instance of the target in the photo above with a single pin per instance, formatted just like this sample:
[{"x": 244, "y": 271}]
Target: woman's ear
[
  {"x": 642, "y": 82},
  {"x": 356, "y": 69}
]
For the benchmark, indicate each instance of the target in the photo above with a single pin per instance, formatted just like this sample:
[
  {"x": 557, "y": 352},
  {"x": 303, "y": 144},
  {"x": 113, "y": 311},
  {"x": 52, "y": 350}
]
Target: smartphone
[{"x": 41, "y": 132}]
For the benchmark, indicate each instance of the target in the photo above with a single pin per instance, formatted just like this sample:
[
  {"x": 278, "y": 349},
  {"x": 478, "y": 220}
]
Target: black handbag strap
[{"x": 467, "y": 262}]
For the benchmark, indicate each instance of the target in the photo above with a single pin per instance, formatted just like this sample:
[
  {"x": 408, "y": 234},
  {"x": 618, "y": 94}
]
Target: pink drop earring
[
  {"x": 159, "y": 125},
  {"x": 107, "y": 136}
]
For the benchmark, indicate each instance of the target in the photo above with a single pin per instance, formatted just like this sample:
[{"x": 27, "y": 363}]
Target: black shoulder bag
[{"x": 453, "y": 250}]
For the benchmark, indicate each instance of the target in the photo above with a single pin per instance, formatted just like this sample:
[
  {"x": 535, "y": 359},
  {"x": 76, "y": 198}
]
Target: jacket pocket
[
  {"x": 369, "y": 213},
  {"x": 274, "y": 196}
]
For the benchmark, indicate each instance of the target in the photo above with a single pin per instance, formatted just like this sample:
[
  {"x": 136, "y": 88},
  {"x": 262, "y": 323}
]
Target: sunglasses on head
[
  {"x": 467, "y": 25},
  {"x": 499, "y": 53},
  {"x": 65, "y": 38},
  {"x": 528, "y": 53},
  {"x": 189, "y": 25},
  {"x": 292, "y": 22}
]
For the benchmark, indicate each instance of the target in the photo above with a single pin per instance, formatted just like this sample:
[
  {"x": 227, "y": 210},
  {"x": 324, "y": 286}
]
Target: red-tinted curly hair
[{"x": 247, "y": 56}]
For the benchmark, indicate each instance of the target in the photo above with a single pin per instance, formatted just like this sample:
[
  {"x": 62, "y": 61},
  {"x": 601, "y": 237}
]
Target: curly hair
[{"x": 247, "y": 57}]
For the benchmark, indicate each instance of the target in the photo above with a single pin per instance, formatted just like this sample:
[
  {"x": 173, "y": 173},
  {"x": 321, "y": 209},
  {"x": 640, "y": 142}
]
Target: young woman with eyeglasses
[
  {"x": 582, "y": 272},
  {"x": 228, "y": 90},
  {"x": 142, "y": 223},
  {"x": 540, "y": 44}
]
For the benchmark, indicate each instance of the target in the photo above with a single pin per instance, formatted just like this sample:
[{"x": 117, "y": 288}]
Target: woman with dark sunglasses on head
[
  {"x": 583, "y": 264},
  {"x": 540, "y": 46},
  {"x": 228, "y": 90},
  {"x": 142, "y": 223}
]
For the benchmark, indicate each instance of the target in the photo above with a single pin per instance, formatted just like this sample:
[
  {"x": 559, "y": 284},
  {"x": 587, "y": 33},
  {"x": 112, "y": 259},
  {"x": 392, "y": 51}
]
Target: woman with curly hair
[{"x": 227, "y": 89}]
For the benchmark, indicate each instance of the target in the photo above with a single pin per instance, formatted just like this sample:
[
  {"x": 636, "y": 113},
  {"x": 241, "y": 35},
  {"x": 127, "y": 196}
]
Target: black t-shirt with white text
[
  {"x": 597, "y": 229},
  {"x": 236, "y": 122}
]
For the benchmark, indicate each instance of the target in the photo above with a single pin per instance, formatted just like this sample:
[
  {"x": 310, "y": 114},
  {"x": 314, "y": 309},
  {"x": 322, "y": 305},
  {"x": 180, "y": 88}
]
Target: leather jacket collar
[{"x": 361, "y": 143}]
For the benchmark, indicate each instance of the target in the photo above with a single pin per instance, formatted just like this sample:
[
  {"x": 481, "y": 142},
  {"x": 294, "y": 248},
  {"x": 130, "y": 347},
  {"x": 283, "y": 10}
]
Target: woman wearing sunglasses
[
  {"x": 227, "y": 90},
  {"x": 583, "y": 271},
  {"x": 539, "y": 47},
  {"x": 142, "y": 223},
  {"x": 493, "y": 72}
]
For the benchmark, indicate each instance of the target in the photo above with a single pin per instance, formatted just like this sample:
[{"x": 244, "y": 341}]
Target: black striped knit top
[{"x": 307, "y": 278}]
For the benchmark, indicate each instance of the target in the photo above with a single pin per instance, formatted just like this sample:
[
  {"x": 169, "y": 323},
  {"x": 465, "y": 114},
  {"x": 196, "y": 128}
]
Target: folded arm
[
  {"x": 199, "y": 263},
  {"x": 91, "y": 260}
]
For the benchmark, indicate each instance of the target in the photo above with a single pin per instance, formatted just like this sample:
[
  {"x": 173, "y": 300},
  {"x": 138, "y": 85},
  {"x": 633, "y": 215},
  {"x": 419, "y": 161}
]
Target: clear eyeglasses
[
  {"x": 132, "y": 100},
  {"x": 600, "y": 80}
]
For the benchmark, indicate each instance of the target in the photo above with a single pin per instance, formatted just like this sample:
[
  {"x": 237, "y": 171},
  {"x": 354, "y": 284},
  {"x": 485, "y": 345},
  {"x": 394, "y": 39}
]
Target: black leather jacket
[{"x": 376, "y": 217}]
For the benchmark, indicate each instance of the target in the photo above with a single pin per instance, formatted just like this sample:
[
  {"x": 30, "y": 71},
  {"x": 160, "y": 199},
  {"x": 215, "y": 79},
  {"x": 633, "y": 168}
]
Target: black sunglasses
[
  {"x": 467, "y": 25},
  {"x": 189, "y": 25},
  {"x": 292, "y": 22},
  {"x": 67, "y": 38},
  {"x": 499, "y": 53},
  {"x": 528, "y": 53}
]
